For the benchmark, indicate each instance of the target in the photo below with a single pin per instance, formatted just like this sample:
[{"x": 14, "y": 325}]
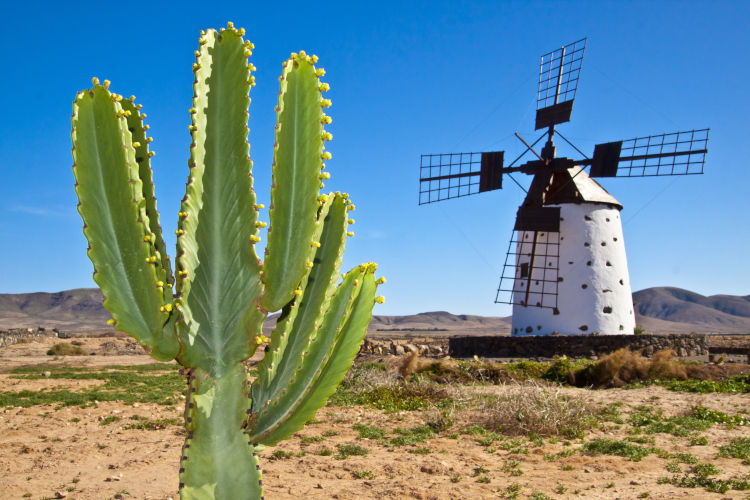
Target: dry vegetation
[{"x": 96, "y": 427}]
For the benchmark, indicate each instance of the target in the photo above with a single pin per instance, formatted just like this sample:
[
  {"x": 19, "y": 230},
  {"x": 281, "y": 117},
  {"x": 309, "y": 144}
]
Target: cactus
[{"x": 208, "y": 316}]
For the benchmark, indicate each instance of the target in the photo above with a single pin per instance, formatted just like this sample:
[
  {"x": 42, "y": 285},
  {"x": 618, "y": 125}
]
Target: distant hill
[
  {"x": 675, "y": 309},
  {"x": 661, "y": 310},
  {"x": 440, "y": 323},
  {"x": 70, "y": 310}
]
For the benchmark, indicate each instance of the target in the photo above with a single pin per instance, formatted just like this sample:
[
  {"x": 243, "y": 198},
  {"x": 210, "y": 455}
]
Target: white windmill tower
[{"x": 565, "y": 271}]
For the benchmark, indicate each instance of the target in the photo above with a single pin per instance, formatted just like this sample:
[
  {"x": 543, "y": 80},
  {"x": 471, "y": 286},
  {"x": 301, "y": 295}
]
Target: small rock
[
  {"x": 46, "y": 374},
  {"x": 319, "y": 486},
  {"x": 136, "y": 405},
  {"x": 118, "y": 496},
  {"x": 635, "y": 483},
  {"x": 60, "y": 494},
  {"x": 112, "y": 478}
]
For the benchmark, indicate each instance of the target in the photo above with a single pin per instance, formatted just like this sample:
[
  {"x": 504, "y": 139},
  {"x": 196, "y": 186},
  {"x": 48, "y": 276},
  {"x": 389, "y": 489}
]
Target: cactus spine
[{"x": 208, "y": 316}]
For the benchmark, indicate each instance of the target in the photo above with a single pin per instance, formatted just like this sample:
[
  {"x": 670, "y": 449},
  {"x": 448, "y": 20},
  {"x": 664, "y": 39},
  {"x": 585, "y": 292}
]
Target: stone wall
[
  {"x": 425, "y": 347},
  {"x": 17, "y": 335},
  {"x": 575, "y": 346}
]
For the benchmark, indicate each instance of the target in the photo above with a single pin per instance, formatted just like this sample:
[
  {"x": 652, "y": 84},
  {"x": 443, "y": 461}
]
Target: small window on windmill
[
  {"x": 524, "y": 270},
  {"x": 530, "y": 273}
]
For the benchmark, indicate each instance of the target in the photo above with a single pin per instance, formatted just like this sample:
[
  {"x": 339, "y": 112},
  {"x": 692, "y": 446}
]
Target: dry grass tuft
[
  {"x": 624, "y": 367},
  {"x": 528, "y": 408},
  {"x": 409, "y": 364}
]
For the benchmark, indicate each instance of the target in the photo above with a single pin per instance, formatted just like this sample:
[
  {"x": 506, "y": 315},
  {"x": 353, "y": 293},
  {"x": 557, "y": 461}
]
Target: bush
[
  {"x": 625, "y": 366},
  {"x": 562, "y": 369},
  {"x": 630, "y": 451},
  {"x": 65, "y": 349},
  {"x": 531, "y": 408}
]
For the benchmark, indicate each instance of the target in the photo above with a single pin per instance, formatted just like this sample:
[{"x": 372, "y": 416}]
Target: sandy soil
[{"x": 45, "y": 450}]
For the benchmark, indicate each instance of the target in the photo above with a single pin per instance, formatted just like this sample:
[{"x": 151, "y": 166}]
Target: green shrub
[
  {"x": 65, "y": 349},
  {"x": 347, "y": 450},
  {"x": 109, "y": 420},
  {"x": 369, "y": 432},
  {"x": 603, "y": 446},
  {"x": 418, "y": 434},
  {"x": 737, "y": 448}
]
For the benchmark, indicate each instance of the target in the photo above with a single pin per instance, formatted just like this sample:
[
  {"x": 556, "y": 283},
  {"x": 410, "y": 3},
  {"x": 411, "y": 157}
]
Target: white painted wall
[{"x": 593, "y": 293}]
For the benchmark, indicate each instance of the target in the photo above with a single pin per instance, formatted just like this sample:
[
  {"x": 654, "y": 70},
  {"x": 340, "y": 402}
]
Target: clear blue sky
[{"x": 406, "y": 78}]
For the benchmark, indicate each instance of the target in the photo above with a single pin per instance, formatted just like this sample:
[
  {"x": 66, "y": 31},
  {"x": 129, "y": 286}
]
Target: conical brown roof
[{"x": 575, "y": 186}]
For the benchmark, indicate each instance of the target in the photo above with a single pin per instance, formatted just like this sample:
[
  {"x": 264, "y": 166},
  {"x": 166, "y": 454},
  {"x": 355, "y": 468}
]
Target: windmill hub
[{"x": 565, "y": 271}]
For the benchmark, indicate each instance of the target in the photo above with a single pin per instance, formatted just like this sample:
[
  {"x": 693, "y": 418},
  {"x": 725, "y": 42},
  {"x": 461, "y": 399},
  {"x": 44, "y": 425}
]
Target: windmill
[{"x": 565, "y": 271}]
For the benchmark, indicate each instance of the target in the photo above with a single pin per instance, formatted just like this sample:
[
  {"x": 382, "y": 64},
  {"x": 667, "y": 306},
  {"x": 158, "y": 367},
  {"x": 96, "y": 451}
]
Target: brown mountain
[
  {"x": 668, "y": 309},
  {"x": 70, "y": 310},
  {"x": 440, "y": 323},
  {"x": 661, "y": 309}
]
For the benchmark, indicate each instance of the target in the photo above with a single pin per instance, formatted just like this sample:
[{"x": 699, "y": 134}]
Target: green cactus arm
[
  {"x": 338, "y": 360},
  {"x": 137, "y": 129},
  {"x": 217, "y": 461},
  {"x": 297, "y": 162},
  {"x": 127, "y": 266},
  {"x": 294, "y": 330},
  {"x": 267, "y": 414},
  {"x": 267, "y": 383},
  {"x": 218, "y": 272},
  {"x": 326, "y": 361}
]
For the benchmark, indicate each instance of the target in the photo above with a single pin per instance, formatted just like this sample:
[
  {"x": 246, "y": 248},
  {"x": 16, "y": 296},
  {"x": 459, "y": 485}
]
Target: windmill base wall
[{"x": 589, "y": 274}]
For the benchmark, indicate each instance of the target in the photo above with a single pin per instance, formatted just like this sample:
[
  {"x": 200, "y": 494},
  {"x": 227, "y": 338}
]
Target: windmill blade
[
  {"x": 530, "y": 274},
  {"x": 453, "y": 175},
  {"x": 558, "y": 81},
  {"x": 677, "y": 153}
]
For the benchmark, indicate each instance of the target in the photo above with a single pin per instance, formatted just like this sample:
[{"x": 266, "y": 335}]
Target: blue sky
[{"x": 406, "y": 79}]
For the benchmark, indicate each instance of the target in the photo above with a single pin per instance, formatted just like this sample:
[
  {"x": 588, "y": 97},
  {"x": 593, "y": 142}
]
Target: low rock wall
[
  {"x": 18, "y": 335},
  {"x": 425, "y": 347},
  {"x": 590, "y": 346}
]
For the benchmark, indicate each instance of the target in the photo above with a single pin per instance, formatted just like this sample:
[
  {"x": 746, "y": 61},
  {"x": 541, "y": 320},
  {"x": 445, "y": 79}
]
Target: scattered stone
[
  {"x": 46, "y": 374},
  {"x": 60, "y": 494},
  {"x": 112, "y": 478}
]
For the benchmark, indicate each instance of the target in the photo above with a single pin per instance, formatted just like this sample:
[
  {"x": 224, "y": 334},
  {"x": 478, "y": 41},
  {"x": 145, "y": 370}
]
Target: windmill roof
[{"x": 575, "y": 186}]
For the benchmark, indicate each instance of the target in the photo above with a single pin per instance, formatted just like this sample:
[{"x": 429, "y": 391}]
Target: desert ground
[{"x": 130, "y": 448}]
